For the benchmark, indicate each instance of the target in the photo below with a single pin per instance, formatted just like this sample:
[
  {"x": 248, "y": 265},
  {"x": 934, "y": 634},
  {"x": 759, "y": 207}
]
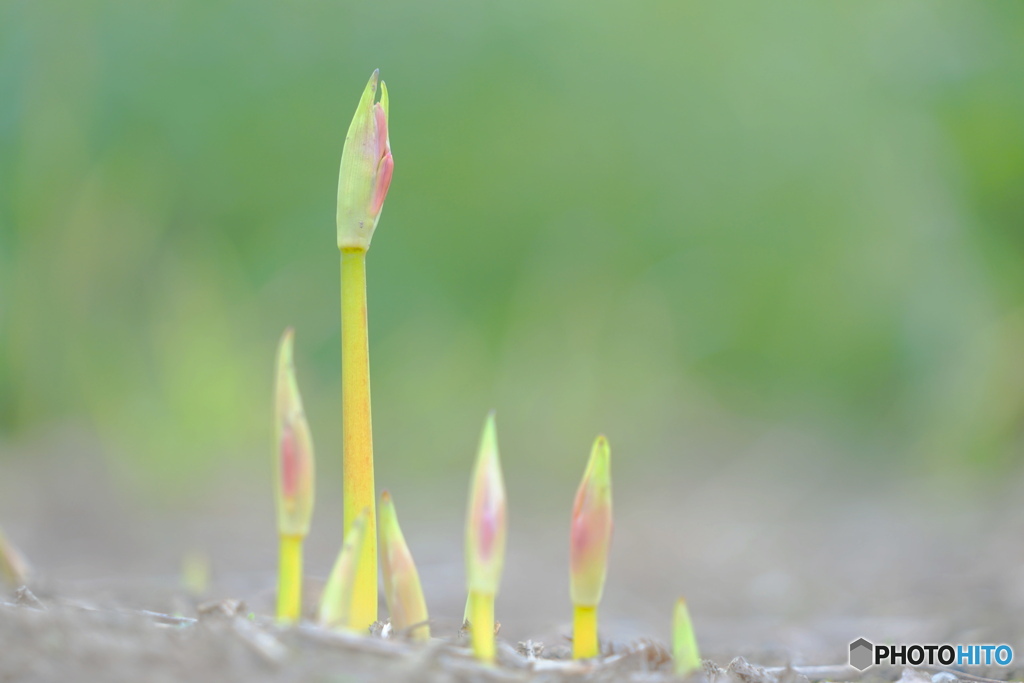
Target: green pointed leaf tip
[
  {"x": 486, "y": 517},
  {"x": 591, "y": 529},
  {"x": 295, "y": 467},
  {"x": 684, "y": 642},
  {"x": 336, "y": 603},
  {"x": 366, "y": 169},
  {"x": 402, "y": 589}
]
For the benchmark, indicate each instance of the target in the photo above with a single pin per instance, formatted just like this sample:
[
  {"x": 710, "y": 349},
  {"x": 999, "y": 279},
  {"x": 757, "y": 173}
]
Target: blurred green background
[{"x": 678, "y": 223}]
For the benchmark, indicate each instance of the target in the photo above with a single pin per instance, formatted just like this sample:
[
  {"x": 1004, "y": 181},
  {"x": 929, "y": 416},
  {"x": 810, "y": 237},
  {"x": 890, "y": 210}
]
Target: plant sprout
[
  {"x": 14, "y": 567},
  {"x": 684, "y": 643},
  {"x": 485, "y": 541},
  {"x": 337, "y": 606},
  {"x": 363, "y": 181},
  {"x": 195, "y": 573},
  {"x": 590, "y": 536},
  {"x": 294, "y": 481},
  {"x": 402, "y": 589}
]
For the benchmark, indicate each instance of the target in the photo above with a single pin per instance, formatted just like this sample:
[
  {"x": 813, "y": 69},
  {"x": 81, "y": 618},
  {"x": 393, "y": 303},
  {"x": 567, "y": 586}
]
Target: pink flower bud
[
  {"x": 591, "y": 530},
  {"x": 366, "y": 169},
  {"x": 294, "y": 446},
  {"x": 485, "y": 527}
]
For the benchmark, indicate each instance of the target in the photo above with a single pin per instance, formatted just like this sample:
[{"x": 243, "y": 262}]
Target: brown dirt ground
[{"x": 782, "y": 562}]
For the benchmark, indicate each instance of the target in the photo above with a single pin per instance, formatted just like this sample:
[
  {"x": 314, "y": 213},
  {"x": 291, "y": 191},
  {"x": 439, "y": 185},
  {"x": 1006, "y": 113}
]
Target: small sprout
[
  {"x": 14, "y": 568},
  {"x": 336, "y": 606},
  {"x": 485, "y": 541},
  {"x": 294, "y": 446},
  {"x": 486, "y": 527},
  {"x": 366, "y": 168},
  {"x": 684, "y": 643},
  {"x": 195, "y": 573},
  {"x": 590, "y": 537},
  {"x": 295, "y": 470},
  {"x": 402, "y": 589}
]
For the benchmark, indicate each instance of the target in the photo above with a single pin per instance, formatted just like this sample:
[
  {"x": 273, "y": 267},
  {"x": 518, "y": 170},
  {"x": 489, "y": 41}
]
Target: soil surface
[{"x": 782, "y": 562}]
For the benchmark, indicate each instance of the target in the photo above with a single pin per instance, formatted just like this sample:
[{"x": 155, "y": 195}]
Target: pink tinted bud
[
  {"x": 381, "y": 119},
  {"x": 591, "y": 529},
  {"x": 490, "y": 519},
  {"x": 486, "y": 523},
  {"x": 366, "y": 169},
  {"x": 290, "y": 463},
  {"x": 294, "y": 444},
  {"x": 387, "y": 167}
]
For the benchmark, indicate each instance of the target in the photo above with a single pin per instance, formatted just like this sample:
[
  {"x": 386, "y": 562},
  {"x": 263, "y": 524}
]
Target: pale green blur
[{"x": 666, "y": 221}]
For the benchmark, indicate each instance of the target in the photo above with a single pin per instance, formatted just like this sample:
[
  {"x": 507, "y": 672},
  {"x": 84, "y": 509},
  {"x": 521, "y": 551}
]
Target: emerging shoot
[
  {"x": 366, "y": 168},
  {"x": 195, "y": 573},
  {"x": 363, "y": 181},
  {"x": 402, "y": 589},
  {"x": 684, "y": 643},
  {"x": 294, "y": 481},
  {"x": 14, "y": 568},
  {"x": 337, "y": 606},
  {"x": 590, "y": 537},
  {"x": 485, "y": 542}
]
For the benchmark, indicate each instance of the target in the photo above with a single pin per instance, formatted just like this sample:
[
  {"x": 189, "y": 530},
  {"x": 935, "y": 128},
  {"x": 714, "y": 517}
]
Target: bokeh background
[
  {"x": 653, "y": 219},
  {"x": 692, "y": 226}
]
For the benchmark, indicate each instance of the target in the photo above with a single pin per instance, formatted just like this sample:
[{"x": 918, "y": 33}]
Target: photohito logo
[{"x": 864, "y": 654}]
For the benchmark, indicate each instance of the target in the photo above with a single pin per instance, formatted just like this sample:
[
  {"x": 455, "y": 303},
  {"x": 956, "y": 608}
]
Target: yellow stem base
[
  {"x": 357, "y": 465},
  {"x": 481, "y": 625},
  {"x": 289, "y": 581},
  {"x": 584, "y": 632}
]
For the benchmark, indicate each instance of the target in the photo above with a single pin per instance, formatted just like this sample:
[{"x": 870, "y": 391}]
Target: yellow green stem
[
  {"x": 481, "y": 625},
  {"x": 289, "y": 582},
  {"x": 584, "y": 632},
  {"x": 357, "y": 467}
]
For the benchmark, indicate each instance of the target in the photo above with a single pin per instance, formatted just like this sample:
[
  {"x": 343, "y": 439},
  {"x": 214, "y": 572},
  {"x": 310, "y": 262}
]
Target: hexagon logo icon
[{"x": 861, "y": 654}]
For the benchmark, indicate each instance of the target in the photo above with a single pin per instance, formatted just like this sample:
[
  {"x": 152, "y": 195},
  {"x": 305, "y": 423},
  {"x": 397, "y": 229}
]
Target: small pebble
[{"x": 26, "y": 598}]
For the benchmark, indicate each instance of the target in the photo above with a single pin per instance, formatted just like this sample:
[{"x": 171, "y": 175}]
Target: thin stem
[
  {"x": 289, "y": 582},
  {"x": 584, "y": 632},
  {"x": 358, "y": 436},
  {"x": 481, "y": 625}
]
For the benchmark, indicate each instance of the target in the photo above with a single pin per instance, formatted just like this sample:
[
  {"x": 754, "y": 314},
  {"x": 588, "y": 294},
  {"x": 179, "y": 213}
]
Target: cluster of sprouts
[{"x": 349, "y": 599}]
